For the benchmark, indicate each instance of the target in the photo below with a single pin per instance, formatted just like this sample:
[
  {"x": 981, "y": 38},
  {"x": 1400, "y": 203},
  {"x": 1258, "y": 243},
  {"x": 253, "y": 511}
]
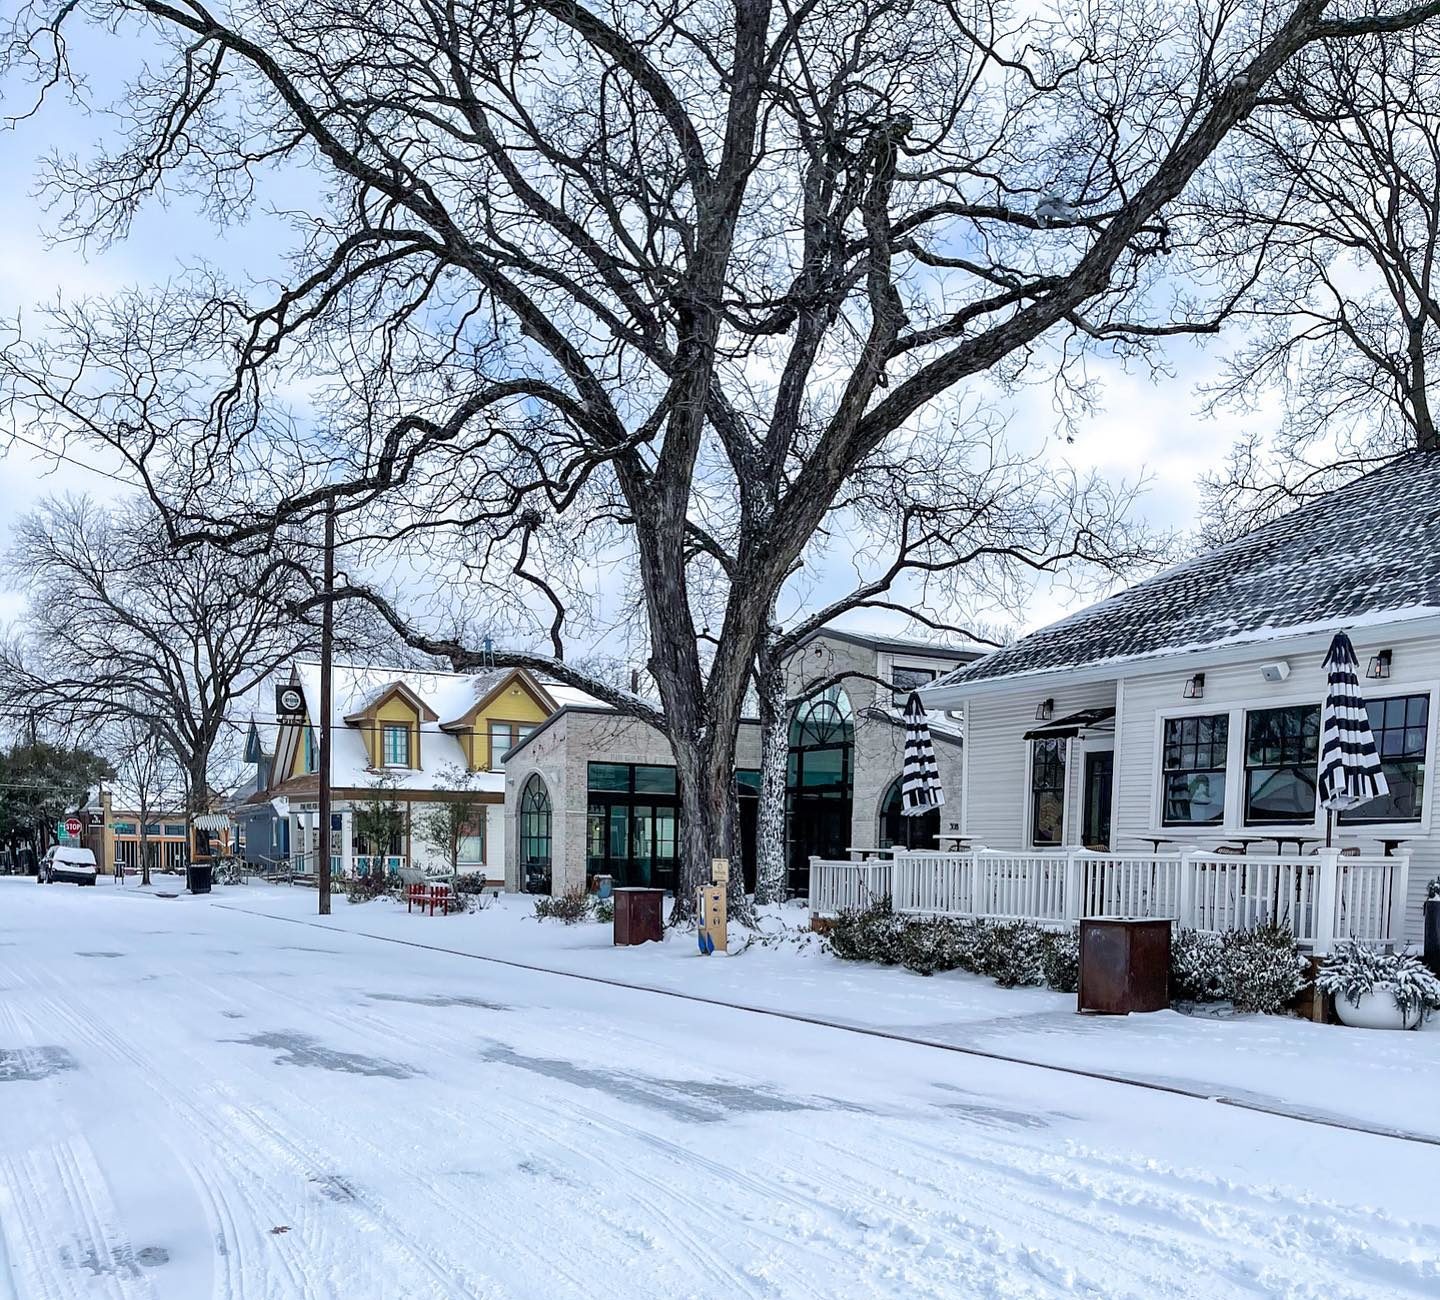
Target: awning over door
[{"x": 1073, "y": 724}]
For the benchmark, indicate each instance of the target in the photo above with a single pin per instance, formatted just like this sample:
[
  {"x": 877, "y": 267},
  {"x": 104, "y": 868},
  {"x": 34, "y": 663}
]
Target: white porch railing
[
  {"x": 847, "y": 886},
  {"x": 1319, "y": 899}
]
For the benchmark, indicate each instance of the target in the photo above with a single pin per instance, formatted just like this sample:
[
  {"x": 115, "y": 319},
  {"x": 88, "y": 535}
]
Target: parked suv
[{"x": 66, "y": 862}]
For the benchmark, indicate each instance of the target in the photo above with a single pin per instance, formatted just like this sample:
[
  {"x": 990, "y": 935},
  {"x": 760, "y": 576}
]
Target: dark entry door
[{"x": 1099, "y": 768}]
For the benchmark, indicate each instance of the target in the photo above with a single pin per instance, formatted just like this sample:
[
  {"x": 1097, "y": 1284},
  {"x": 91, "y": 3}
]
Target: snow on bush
[
  {"x": 1010, "y": 952},
  {"x": 1355, "y": 969},
  {"x": 1432, "y": 891},
  {"x": 1263, "y": 967},
  {"x": 1257, "y": 970},
  {"x": 569, "y": 908}
]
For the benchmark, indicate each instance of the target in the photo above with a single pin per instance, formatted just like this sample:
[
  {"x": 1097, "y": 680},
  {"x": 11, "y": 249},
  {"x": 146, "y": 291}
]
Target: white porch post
[
  {"x": 495, "y": 842},
  {"x": 1074, "y": 885},
  {"x": 1189, "y": 882},
  {"x": 1327, "y": 876},
  {"x": 347, "y": 843},
  {"x": 1399, "y": 896}
]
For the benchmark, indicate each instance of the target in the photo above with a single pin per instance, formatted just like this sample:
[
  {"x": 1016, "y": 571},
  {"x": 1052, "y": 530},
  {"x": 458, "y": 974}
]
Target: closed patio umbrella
[
  {"x": 1350, "y": 771},
  {"x": 920, "y": 789}
]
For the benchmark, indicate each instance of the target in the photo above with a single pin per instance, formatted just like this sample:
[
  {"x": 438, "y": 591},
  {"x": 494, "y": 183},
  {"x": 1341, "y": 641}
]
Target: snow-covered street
[{"x": 197, "y": 1101}]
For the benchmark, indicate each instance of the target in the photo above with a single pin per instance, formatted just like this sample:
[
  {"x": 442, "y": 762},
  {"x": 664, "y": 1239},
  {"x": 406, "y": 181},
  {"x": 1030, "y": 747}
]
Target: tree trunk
[
  {"x": 707, "y": 776},
  {"x": 770, "y": 867},
  {"x": 1427, "y": 438},
  {"x": 144, "y": 851}
]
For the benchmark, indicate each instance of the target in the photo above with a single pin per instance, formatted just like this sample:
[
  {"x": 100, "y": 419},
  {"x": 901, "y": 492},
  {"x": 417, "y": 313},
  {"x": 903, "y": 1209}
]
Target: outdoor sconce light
[
  {"x": 1045, "y": 710},
  {"x": 1195, "y": 687},
  {"x": 1380, "y": 664}
]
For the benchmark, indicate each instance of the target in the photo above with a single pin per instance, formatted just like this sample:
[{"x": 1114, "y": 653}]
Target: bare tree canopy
[
  {"x": 1333, "y": 193},
  {"x": 645, "y": 284},
  {"x": 122, "y": 635}
]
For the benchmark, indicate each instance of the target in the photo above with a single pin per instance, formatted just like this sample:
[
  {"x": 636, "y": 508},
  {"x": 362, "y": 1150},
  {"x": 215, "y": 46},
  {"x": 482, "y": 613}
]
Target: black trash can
[
  {"x": 197, "y": 877},
  {"x": 1432, "y": 934}
]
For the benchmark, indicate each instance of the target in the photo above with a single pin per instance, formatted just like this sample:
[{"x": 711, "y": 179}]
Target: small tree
[
  {"x": 145, "y": 764},
  {"x": 444, "y": 825},
  {"x": 377, "y": 819}
]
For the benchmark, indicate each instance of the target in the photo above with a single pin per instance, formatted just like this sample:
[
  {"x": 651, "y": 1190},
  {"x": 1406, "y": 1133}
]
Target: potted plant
[
  {"x": 1432, "y": 926},
  {"x": 1378, "y": 990}
]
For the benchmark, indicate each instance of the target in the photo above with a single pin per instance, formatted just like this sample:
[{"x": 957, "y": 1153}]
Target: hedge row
[{"x": 1256, "y": 970}]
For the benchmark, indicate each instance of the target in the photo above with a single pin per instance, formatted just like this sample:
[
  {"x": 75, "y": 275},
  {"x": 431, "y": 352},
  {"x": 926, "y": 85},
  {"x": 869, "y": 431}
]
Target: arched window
[
  {"x": 535, "y": 818},
  {"x": 820, "y": 782},
  {"x": 897, "y": 830}
]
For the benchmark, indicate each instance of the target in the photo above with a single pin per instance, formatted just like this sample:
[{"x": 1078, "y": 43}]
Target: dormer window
[
  {"x": 395, "y": 745},
  {"x": 312, "y": 750}
]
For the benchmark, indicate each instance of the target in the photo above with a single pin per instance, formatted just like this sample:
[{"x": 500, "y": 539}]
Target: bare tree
[
  {"x": 120, "y": 631},
  {"x": 1333, "y": 192},
  {"x": 146, "y": 767},
  {"x": 456, "y": 815},
  {"x": 632, "y": 284}
]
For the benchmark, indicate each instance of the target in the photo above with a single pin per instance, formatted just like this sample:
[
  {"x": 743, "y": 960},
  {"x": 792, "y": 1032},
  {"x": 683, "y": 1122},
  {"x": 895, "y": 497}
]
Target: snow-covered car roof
[
  {"x": 1366, "y": 553},
  {"x": 73, "y": 855}
]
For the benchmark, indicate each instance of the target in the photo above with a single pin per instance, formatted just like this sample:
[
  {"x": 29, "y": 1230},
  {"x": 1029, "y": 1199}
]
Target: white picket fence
[{"x": 1319, "y": 899}]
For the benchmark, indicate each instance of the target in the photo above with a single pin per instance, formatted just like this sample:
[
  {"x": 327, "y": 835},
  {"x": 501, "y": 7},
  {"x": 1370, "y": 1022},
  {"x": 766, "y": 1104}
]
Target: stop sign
[{"x": 73, "y": 827}]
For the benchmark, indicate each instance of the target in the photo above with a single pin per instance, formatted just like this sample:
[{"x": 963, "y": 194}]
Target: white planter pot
[{"x": 1376, "y": 1010}]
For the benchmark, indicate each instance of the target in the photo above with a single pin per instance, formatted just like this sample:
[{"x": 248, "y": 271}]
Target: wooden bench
[{"x": 432, "y": 896}]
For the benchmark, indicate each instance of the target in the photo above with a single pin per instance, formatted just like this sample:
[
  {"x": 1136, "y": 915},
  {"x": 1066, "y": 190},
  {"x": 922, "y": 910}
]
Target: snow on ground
[
  {"x": 202, "y": 1102},
  {"x": 1390, "y": 1081}
]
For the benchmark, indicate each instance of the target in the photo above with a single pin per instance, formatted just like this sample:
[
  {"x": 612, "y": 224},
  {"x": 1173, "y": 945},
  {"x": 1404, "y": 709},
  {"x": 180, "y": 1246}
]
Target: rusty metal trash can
[
  {"x": 639, "y": 916},
  {"x": 1124, "y": 965}
]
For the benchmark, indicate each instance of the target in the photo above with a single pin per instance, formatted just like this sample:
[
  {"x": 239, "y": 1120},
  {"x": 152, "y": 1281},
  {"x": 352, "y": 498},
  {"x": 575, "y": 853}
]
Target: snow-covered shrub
[
  {"x": 1257, "y": 970},
  {"x": 1013, "y": 954},
  {"x": 1263, "y": 968},
  {"x": 1432, "y": 891},
  {"x": 927, "y": 944},
  {"x": 867, "y": 934},
  {"x": 470, "y": 882},
  {"x": 1355, "y": 969},
  {"x": 603, "y": 910},
  {"x": 1197, "y": 967},
  {"x": 1060, "y": 958},
  {"x": 570, "y": 908}
]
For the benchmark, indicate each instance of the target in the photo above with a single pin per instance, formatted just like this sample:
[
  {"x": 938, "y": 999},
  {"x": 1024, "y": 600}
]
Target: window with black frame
[
  {"x": 905, "y": 679},
  {"x": 632, "y": 823},
  {"x": 1401, "y": 727},
  {"x": 1281, "y": 750},
  {"x": 1193, "y": 770},
  {"x": 1047, "y": 792},
  {"x": 535, "y": 822}
]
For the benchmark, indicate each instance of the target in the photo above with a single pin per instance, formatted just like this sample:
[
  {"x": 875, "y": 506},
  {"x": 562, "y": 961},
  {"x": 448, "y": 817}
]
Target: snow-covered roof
[
  {"x": 1368, "y": 553},
  {"x": 895, "y": 644},
  {"x": 450, "y": 696}
]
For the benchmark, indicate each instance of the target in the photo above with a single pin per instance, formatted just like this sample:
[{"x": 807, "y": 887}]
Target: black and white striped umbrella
[
  {"x": 920, "y": 778},
  {"x": 1350, "y": 770}
]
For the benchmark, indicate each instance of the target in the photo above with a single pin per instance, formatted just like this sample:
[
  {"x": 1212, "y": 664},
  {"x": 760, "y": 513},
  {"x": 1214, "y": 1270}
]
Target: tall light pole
[{"x": 327, "y": 654}]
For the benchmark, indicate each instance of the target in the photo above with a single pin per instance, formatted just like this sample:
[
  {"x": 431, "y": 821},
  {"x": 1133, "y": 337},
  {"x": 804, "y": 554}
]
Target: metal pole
[{"x": 327, "y": 651}]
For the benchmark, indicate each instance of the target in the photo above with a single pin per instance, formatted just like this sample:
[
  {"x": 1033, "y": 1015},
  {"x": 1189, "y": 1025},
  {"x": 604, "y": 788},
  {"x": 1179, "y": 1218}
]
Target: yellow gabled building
[{"x": 410, "y": 740}]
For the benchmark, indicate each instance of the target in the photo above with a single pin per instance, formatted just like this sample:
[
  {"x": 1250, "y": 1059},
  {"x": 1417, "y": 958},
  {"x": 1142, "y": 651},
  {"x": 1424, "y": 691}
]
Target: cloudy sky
[{"x": 1147, "y": 427}]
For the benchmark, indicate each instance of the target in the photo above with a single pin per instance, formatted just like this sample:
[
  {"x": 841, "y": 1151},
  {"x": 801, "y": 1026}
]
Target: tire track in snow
[
  {"x": 695, "y": 1246},
  {"x": 221, "y": 1172}
]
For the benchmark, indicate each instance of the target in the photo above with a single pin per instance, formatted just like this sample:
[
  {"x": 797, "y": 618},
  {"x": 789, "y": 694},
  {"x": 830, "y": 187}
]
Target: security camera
[{"x": 1276, "y": 672}]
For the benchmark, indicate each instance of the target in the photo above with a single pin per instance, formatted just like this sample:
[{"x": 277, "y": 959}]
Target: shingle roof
[{"x": 1369, "y": 552}]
